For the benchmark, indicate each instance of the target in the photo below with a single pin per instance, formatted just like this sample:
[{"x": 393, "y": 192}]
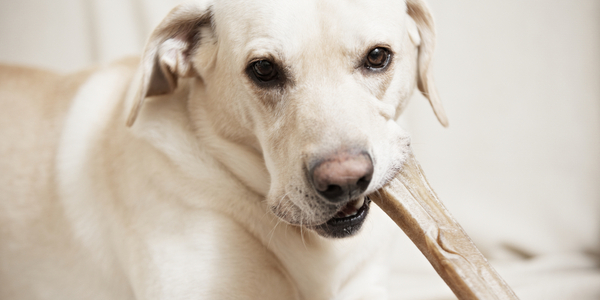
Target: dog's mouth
[{"x": 347, "y": 221}]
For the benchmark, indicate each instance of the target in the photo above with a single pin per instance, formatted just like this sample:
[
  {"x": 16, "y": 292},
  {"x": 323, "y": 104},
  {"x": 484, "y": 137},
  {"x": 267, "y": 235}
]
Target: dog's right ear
[
  {"x": 168, "y": 54},
  {"x": 422, "y": 33}
]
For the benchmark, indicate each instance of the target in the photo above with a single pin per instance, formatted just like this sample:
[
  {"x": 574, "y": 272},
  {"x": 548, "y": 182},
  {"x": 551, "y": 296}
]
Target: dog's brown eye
[
  {"x": 264, "y": 70},
  {"x": 378, "y": 58}
]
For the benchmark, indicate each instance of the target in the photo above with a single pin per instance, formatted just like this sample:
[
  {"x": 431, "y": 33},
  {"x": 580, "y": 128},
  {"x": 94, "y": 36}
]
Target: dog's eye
[
  {"x": 264, "y": 70},
  {"x": 378, "y": 58}
]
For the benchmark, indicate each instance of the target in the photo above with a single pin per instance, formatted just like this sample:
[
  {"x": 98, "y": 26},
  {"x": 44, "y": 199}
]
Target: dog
[{"x": 232, "y": 161}]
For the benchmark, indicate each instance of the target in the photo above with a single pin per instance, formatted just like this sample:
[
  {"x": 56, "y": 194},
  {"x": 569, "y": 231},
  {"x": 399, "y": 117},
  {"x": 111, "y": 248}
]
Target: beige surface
[{"x": 519, "y": 166}]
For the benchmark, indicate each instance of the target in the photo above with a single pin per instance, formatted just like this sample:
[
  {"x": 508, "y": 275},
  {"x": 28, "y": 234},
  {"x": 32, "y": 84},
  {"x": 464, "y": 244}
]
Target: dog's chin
[{"x": 347, "y": 221}]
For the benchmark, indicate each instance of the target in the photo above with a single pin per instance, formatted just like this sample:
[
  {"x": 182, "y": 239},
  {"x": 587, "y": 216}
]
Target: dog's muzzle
[{"x": 341, "y": 179}]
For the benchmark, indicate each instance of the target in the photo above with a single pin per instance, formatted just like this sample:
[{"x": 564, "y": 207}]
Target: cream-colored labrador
[{"x": 256, "y": 130}]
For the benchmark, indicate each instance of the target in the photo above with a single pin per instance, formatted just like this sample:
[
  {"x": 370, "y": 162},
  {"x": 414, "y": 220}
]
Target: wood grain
[{"x": 412, "y": 204}]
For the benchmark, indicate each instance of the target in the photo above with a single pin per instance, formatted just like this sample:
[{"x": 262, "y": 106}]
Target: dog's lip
[
  {"x": 350, "y": 209},
  {"x": 347, "y": 221},
  {"x": 351, "y": 212}
]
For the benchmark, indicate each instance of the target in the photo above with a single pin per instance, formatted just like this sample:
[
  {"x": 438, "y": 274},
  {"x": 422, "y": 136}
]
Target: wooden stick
[{"x": 412, "y": 204}]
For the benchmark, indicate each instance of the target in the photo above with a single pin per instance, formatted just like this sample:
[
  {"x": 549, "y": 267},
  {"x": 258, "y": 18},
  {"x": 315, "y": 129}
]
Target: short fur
[{"x": 205, "y": 194}]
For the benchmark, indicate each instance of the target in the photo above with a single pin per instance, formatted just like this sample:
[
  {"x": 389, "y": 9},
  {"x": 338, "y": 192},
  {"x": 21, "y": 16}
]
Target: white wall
[{"x": 67, "y": 35}]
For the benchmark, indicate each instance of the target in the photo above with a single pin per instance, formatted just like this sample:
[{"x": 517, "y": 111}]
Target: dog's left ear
[
  {"x": 168, "y": 54},
  {"x": 421, "y": 30}
]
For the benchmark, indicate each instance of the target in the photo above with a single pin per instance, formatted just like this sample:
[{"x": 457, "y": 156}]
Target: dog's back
[{"x": 33, "y": 106}]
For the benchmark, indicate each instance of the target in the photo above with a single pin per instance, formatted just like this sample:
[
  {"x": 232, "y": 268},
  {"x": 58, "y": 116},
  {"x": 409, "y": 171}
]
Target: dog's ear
[
  {"x": 421, "y": 30},
  {"x": 168, "y": 54}
]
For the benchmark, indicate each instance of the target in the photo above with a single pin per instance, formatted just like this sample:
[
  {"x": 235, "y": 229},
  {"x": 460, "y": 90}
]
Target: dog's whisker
[
  {"x": 272, "y": 232},
  {"x": 302, "y": 233},
  {"x": 276, "y": 207}
]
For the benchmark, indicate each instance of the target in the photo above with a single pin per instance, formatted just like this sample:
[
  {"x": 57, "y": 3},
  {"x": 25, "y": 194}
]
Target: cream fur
[{"x": 198, "y": 198}]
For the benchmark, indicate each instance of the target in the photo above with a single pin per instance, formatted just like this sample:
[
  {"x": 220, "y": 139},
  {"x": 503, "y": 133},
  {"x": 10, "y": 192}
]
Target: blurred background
[{"x": 519, "y": 166}]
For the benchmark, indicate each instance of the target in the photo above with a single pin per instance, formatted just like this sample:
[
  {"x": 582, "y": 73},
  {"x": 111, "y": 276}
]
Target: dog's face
[{"x": 313, "y": 86}]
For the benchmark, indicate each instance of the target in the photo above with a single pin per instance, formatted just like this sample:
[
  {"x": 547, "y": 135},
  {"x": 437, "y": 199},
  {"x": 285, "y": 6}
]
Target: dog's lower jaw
[{"x": 347, "y": 222}]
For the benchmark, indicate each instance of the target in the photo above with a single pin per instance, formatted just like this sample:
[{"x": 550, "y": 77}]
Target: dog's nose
[{"x": 342, "y": 176}]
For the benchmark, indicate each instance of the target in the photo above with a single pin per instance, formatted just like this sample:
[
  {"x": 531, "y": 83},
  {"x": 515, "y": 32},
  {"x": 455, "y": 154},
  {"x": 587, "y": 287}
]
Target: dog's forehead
[{"x": 288, "y": 27}]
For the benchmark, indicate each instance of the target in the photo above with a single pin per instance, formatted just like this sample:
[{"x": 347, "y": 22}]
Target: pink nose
[{"x": 342, "y": 176}]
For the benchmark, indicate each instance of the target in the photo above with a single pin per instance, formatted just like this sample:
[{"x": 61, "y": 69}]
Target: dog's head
[{"x": 313, "y": 87}]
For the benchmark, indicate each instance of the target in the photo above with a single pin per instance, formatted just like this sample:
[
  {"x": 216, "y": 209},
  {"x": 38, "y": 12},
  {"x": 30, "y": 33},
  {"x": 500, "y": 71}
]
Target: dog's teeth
[
  {"x": 351, "y": 208},
  {"x": 359, "y": 203}
]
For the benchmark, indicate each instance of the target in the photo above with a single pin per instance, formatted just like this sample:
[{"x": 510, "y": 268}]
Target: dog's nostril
[
  {"x": 363, "y": 183},
  {"x": 332, "y": 191}
]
